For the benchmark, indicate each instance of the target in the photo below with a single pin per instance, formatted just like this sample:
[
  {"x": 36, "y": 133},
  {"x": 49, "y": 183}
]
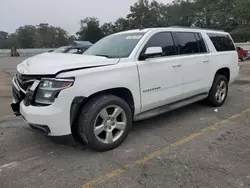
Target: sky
[{"x": 63, "y": 13}]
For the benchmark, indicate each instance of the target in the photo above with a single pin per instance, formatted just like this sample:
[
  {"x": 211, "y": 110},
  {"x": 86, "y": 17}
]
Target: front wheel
[
  {"x": 219, "y": 91},
  {"x": 104, "y": 122}
]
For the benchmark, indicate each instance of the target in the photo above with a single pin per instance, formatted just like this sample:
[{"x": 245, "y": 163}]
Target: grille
[{"x": 25, "y": 81}]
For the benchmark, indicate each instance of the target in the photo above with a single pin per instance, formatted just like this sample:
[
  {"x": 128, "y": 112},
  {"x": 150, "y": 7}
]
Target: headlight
[{"x": 49, "y": 89}]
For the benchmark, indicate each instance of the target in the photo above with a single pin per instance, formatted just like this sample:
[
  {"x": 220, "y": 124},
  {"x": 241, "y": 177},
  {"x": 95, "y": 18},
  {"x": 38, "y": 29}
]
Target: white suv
[{"x": 125, "y": 77}]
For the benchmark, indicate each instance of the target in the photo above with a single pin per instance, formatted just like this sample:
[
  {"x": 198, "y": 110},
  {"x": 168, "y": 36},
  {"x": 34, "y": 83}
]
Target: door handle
[
  {"x": 206, "y": 61},
  {"x": 177, "y": 65}
]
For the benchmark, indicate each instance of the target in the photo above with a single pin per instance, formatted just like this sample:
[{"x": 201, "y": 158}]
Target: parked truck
[{"x": 243, "y": 54}]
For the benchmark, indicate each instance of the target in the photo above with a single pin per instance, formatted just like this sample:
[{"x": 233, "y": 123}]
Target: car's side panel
[
  {"x": 195, "y": 71},
  {"x": 94, "y": 80},
  {"x": 161, "y": 81},
  {"x": 218, "y": 60},
  {"x": 160, "y": 77},
  {"x": 195, "y": 62}
]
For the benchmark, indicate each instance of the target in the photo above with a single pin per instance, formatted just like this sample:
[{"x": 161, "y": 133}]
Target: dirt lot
[{"x": 195, "y": 146}]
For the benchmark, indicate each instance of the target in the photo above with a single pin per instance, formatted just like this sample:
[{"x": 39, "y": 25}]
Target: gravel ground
[{"x": 195, "y": 146}]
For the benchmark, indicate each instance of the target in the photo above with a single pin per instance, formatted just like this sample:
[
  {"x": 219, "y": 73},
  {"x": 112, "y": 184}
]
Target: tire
[
  {"x": 93, "y": 116},
  {"x": 217, "y": 95}
]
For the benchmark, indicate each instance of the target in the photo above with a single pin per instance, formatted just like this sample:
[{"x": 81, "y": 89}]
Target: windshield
[
  {"x": 115, "y": 46},
  {"x": 61, "y": 49}
]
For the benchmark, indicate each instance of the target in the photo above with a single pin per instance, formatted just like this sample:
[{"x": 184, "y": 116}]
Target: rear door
[{"x": 195, "y": 62}]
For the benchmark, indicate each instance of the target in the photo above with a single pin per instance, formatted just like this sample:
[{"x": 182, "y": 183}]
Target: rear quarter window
[{"x": 222, "y": 42}]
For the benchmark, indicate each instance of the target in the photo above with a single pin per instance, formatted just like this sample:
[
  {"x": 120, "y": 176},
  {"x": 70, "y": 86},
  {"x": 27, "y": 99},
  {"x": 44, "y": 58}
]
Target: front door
[{"x": 160, "y": 76}]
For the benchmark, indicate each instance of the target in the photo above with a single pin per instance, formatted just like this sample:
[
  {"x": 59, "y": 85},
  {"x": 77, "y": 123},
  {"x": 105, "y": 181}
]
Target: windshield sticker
[{"x": 134, "y": 37}]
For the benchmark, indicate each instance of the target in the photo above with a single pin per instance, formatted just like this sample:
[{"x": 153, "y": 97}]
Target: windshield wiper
[{"x": 103, "y": 55}]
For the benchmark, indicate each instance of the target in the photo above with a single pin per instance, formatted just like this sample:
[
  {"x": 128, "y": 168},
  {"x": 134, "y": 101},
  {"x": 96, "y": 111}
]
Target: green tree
[
  {"x": 179, "y": 13},
  {"x": 140, "y": 15},
  {"x": 27, "y": 36},
  {"x": 241, "y": 12},
  {"x": 144, "y": 14},
  {"x": 43, "y": 36},
  {"x": 3, "y": 38},
  {"x": 71, "y": 39},
  {"x": 61, "y": 36},
  {"x": 241, "y": 35},
  {"x": 11, "y": 41},
  {"x": 108, "y": 29},
  {"x": 215, "y": 14},
  {"x": 90, "y": 30},
  {"x": 50, "y": 36}
]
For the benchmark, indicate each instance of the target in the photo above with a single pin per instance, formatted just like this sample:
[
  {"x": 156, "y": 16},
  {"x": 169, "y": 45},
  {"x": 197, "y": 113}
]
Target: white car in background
[{"x": 125, "y": 77}]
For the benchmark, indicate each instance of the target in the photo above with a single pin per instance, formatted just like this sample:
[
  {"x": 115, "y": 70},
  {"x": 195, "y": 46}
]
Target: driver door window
[{"x": 163, "y": 40}]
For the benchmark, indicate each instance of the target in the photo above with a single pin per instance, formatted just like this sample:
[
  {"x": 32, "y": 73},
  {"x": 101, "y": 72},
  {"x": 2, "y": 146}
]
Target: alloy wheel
[{"x": 110, "y": 124}]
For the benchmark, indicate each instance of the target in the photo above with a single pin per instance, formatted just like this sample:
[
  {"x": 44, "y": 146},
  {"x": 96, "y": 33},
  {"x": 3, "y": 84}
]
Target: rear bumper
[{"x": 234, "y": 72}]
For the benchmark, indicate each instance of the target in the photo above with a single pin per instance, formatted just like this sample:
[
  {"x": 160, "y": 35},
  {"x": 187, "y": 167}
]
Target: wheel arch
[
  {"x": 225, "y": 71},
  {"x": 79, "y": 102}
]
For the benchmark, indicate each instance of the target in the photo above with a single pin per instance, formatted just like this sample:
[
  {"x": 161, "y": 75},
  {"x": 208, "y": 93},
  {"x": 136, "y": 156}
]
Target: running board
[{"x": 169, "y": 107}]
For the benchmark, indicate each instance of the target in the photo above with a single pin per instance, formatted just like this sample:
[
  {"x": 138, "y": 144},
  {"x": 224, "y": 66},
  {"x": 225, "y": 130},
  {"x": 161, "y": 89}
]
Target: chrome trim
[
  {"x": 18, "y": 86},
  {"x": 59, "y": 79},
  {"x": 42, "y": 102},
  {"x": 28, "y": 81},
  {"x": 14, "y": 83}
]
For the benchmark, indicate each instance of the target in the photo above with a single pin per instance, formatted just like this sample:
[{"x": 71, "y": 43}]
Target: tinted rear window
[
  {"x": 187, "y": 43},
  {"x": 222, "y": 42}
]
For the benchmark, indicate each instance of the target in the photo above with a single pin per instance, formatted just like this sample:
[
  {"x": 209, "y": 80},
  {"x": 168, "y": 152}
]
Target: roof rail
[{"x": 176, "y": 26}]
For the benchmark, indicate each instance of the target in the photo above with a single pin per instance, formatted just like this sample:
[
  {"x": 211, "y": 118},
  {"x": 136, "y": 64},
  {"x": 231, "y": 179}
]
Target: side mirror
[{"x": 151, "y": 52}]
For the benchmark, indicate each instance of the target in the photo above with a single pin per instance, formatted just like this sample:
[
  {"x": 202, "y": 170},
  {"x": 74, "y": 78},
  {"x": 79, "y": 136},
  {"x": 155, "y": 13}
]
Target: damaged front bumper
[{"x": 18, "y": 96}]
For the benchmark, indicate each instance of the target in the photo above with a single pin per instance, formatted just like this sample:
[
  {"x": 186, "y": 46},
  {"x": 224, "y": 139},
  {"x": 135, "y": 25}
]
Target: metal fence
[{"x": 25, "y": 52}]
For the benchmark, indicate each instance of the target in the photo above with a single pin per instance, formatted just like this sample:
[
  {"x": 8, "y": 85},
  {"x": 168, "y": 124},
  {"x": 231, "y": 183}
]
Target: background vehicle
[
  {"x": 79, "y": 47},
  {"x": 125, "y": 77},
  {"x": 243, "y": 54}
]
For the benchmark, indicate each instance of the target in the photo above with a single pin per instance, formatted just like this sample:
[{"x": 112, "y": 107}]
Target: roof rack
[{"x": 176, "y": 26}]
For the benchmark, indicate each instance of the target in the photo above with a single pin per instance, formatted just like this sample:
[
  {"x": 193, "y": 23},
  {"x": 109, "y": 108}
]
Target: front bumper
[
  {"x": 52, "y": 120},
  {"x": 16, "y": 108}
]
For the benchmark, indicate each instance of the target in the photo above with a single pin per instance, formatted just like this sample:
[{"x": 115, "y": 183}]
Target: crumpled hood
[{"x": 52, "y": 63}]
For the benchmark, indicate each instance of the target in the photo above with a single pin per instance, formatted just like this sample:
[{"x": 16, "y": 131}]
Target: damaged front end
[{"x": 23, "y": 89}]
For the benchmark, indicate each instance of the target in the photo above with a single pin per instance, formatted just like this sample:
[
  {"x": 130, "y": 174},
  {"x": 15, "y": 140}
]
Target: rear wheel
[
  {"x": 219, "y": 91},
  {"x": 104, "y": 122}
]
